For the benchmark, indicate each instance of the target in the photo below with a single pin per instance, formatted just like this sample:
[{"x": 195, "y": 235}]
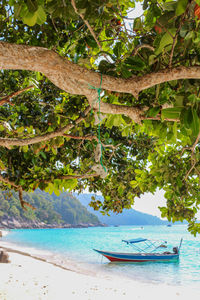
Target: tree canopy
[{"x": 92, "y": 97}]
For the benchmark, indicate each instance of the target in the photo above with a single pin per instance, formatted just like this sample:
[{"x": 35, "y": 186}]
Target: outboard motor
[{"x": 175, "y": 250}]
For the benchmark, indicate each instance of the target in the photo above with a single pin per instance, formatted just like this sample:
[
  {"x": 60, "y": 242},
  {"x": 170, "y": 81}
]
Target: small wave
[{"x": 139, "y": 228}]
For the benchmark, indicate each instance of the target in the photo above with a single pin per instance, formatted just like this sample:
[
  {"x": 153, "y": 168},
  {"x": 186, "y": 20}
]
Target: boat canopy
[{"x": 134, "y": 241}]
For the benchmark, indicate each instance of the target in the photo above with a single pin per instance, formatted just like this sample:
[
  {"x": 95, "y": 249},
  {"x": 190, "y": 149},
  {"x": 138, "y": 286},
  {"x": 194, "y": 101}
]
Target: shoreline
[{"x": 30, "y": 276}]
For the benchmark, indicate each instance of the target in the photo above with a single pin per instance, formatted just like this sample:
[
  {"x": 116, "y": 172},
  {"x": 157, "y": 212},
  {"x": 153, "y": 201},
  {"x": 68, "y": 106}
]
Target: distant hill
[
  {"x": 49, "y": 208},
  {"x": 127, "y": 217}
]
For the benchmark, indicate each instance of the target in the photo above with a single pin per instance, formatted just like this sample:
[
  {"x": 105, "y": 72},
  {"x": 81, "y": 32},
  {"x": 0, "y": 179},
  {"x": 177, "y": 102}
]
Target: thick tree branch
[
  {"x": 77, "y": 80},
  {"x": 7, "y": 98}
]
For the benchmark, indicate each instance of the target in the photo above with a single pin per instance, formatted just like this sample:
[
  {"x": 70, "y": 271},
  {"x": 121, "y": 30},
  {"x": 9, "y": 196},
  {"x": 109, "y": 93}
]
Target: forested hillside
[{"x": 49, "y": 208}]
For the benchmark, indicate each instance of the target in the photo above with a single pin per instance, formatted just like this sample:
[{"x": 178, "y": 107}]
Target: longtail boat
[{"x": 145, "y": 254}]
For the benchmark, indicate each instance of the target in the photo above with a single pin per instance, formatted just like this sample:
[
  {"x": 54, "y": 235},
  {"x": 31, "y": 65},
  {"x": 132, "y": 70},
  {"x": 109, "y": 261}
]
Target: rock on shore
[
  {"x": 4, "y": 257},
  {"x": 14, "y": 223}
]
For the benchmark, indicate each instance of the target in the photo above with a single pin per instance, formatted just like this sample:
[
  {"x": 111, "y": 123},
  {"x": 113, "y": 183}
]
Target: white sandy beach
[{"x": 26, "y": 278}]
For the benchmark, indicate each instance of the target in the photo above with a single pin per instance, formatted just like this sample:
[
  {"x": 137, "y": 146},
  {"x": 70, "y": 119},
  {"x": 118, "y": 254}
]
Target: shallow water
[{"x": 73, "y": 247}]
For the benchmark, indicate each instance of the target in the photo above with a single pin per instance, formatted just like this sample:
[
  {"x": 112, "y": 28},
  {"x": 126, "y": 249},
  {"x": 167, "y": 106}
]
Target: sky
[{"x": 148, "y": 203}]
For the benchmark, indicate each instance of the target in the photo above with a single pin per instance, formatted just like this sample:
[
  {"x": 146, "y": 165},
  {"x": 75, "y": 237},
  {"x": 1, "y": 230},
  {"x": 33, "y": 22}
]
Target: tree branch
[
  {"x": 66, "y": 177},
  {"x": 89, "y": 138},
  {"x": 7, "y": 181},
  {"x": 7, "y": 98},
  {"x": 195, "y": 143},
  {"x": 20, "y": 191},
  {"x": 7, "y": 142},
  {"x": 74, "y": 79},
  {"x": 137, "y": 48}
]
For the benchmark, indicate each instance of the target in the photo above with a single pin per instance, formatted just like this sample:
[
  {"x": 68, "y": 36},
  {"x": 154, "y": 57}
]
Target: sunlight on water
[{"x": 77, "y": 244}]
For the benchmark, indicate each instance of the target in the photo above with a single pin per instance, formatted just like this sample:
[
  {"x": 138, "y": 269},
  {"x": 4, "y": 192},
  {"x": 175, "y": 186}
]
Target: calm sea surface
[{"x": 74, "y": 246}]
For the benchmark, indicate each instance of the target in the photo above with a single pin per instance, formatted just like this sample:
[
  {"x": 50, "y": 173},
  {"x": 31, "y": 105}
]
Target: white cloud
[{"x": 148, "y": 203}]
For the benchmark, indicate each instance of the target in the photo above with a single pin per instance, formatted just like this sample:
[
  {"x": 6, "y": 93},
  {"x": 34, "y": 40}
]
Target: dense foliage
[
  {"x": 149, "y": 129},
  {"x": 50, "y": 209}
]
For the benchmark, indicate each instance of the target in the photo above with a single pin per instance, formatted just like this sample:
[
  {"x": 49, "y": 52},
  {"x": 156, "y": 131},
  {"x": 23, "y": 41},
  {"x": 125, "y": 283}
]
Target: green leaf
[
  {"x": 20, "y": 129},
  {"x": 25, "y": 148},
  {"x": 54, "y": 151},
  {"x": 152, "y": 112},
  {"x": 167, "y": 39},
  {"x": 137, "y": 25},
  {"x": 186, "y": 117},
  {"x": 181, "y": 7},
  {"x": 30, "y": 19},
  {"x": 152, "y": 59},
  {"x": 17, "y": 10},
  {"x": 171, "y": 113},
  {"x": 118, "y": 49},
  {"x": 41, "y": 15},
  {"x": 2, "y": 166},
  {"x": 190, "y": 35},
  {"x": 133, "y": 183},
  {"x": 43, "y": 154},
  {"x": 135, "y": 63},
  {"x": 117, "y": 120},
  {"x": 125, "y": 72},
  {"x": 56, "y": 192},
  {"x": 195, "y": 122},
  {"x": 70, "y": 184},
  {"x": 32, "y": 5},
  {"x": 170, "y": 6}
]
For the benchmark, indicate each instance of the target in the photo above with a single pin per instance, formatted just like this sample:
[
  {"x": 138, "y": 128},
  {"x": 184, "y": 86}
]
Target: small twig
[
  {"x": 175, "y": 39},
  {"x": 161, "y": 25},
  {"x": 7, "y": 142},
  {"x": 7, "y": 181},
  {"x": 52, "y": 20},
  {"x": 67, "y": 177},
  {"x": 122, "y": 18},
  {"x": 195, "y": 143},
  {"x": 87, "y": 24},
  {"x": 20, "y": 191},
  {"x": 89, "y": 138},
  {"x": 159, "y": 118},
  {"x": 64, "y": 4},
  {"x": 22, "y": 202},
  {"x": 188, "y": 173},
  {"x": 193, "y": 146},
  {"x": 7, "y": 98},
  {"x": 172, "y": 51},
  {"x": 135, "y": 51}
]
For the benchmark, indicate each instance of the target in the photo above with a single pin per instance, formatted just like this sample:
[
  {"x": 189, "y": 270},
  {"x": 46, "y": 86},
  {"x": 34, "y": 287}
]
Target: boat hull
[{"x": 138, "y": 257}]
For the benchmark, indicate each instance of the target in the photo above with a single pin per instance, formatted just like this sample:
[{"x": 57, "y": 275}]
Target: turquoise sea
[{"x": 72, "y": 248}]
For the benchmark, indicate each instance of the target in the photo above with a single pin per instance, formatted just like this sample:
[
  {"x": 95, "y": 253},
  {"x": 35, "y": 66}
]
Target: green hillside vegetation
[{"x": 49, "y": 208}]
